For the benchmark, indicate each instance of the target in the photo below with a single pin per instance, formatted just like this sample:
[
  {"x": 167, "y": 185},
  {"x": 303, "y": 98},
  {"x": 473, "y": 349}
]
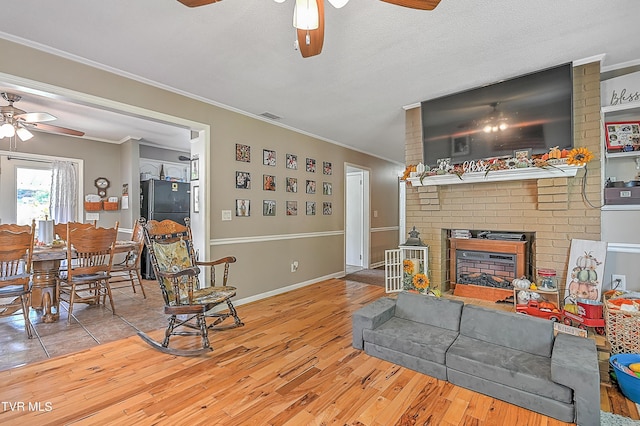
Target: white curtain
[{"x": 64, "y": 192}]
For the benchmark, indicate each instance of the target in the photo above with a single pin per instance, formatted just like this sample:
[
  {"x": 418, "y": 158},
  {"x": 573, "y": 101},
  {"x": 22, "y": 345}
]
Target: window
[{"x": 33, "y": 190}]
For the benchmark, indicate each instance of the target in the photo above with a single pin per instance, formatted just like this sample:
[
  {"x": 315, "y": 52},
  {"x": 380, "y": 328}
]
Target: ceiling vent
[{"x": 270, "y": 116}]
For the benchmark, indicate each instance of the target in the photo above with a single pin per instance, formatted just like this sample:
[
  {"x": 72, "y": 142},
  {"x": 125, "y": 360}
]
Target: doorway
[{"x": 357, "y": 225}]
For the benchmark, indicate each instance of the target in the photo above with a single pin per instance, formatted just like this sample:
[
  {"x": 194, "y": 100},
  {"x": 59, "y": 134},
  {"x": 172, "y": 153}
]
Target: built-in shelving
[{"x": 498, "y": 175}]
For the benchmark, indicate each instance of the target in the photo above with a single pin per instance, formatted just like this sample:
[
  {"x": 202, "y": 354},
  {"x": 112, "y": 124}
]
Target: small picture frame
[
  {"x": 622, "y": 135},
  {"x": 326, "y": 208},
  {"x": 243, "y": 180},
  {"x": 311, "y": 208},
  {"x": 460, "y": 146},
  {"x": 327, "y": 168},
  {"x": 269, "y": 157},
  {"x": 268, "y": 182},
  {"x": 243, "y": 153},
  {"x": 327, "y": 188},
  {"x": 268, "y": 207},
  {"x": 292, "y": 208},
  {"x": 311, "y": 186},
  {"x": 195, "y": 171},
  {"x": 196, "y": 199},
  {"x": 243, "y": 208},
  {"x": 292, "y": 162},
  {"x": 522, "y": 155},
  {"x": 292, "y": 184},
  {"x": 311, "y": 165}
]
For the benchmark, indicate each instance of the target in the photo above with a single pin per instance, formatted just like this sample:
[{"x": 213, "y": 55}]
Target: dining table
[{"x": 46, "y": 261}]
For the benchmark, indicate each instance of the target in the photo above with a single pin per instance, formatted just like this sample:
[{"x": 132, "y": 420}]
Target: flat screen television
[{"x": 531, "y": 112}]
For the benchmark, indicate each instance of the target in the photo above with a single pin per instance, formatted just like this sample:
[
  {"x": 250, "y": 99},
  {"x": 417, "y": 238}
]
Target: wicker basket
[
  {"x": 93, "y": 206},
  {"x": 623, "y": 330},
  {"x": 111, "y": 205}
]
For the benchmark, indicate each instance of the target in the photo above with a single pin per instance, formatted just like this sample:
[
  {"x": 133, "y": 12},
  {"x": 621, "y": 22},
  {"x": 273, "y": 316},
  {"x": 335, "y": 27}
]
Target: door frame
[{"x": 366, "y": 213}]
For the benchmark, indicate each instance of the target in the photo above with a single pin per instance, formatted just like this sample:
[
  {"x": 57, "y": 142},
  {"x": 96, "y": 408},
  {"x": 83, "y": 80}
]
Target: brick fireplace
[{"x": 552, "y": 208}]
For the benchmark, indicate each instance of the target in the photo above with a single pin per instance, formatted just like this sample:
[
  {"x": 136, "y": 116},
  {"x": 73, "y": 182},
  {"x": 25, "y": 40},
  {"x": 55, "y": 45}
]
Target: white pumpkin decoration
[
  {"x": 521, "y": 282},
  {"x": 523, "y": 296}
]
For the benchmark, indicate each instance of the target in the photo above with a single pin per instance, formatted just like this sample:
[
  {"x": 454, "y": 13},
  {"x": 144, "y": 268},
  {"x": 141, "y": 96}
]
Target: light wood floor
[{"x": 291, "y": 364}]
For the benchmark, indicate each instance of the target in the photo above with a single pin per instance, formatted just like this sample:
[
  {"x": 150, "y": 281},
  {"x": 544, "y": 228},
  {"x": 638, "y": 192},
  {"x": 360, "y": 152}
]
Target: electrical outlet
[
  {"x": 621, "y": 285},
  {"x": 294, "y": 266}
]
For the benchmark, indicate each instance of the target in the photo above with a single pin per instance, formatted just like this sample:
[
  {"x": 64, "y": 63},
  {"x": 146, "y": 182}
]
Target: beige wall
[
  {"x": 552, "y": 208},
  {"x": 263, "y": 261}
]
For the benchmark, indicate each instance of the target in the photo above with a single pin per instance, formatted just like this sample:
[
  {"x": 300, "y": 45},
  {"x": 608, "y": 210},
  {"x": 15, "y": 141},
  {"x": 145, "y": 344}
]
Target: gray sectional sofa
[{"x": 508, "y": 356}]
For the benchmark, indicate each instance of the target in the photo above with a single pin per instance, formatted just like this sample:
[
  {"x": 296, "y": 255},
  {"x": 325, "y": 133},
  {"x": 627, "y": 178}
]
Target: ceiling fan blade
[
  {"x": 415, "y": 4},
  {"x": 196, "y": 3},
  {"x": 32, "y": 117},
  {"x": 55, "y": 129},
  {"x": 310, "y": 41}
]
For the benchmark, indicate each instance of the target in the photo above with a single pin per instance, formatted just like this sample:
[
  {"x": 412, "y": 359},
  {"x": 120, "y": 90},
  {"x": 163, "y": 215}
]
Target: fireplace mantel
[{"x": 561, "y": 170}]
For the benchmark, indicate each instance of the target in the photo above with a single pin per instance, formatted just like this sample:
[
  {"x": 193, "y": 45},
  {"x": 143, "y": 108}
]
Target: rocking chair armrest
[
  {"x": 189, "y": 272},
  {"x": 228, "y": 259}
]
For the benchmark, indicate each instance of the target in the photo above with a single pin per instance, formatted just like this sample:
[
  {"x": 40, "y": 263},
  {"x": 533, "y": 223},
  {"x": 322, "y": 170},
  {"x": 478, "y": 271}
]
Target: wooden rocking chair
[{"x": 187, "y": 303}]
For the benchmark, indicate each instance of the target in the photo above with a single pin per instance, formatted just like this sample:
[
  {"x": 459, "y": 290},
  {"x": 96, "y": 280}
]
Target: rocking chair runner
[{"x": 176, "y": 269}]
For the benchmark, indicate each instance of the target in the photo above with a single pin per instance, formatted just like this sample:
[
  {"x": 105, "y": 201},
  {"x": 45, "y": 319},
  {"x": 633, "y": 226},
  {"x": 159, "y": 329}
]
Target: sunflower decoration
[
  {"x": 420, "y": 282},
  {"x": 579, "y": 156},
  {"x": 407, "y": 266}
]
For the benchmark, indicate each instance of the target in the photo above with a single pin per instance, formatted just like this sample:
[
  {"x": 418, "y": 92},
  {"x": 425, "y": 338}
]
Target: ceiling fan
[
  {"x": 308, "y": 18},
  {"x": 17, "y": 122}
]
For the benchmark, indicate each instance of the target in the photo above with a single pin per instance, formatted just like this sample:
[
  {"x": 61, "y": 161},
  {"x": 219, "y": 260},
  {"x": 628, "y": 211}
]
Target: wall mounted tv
[{"x": 533, "y": 111}]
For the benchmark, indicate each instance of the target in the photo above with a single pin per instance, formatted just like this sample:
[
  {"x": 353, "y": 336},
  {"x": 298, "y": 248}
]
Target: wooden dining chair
[
  {"x": 188, "y": 303},
  {"x": 90, "y": 255},
  {"x": 16, "y": 249},
  {"x": 128, "y": 268},
  {"x": 60, "y": 229}
]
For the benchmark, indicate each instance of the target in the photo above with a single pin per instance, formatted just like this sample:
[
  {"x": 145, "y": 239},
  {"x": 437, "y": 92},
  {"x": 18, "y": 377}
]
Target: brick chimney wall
[{"x": 552, "y": 208}]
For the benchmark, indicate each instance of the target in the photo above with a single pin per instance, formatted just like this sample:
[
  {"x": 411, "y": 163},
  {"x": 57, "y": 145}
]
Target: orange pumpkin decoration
[
  {"x": 564, "y": 153},
  {"x": 555, "y": 152},
  {"x": 547, "y": 305},
  {"x": 583, "y": 290}
]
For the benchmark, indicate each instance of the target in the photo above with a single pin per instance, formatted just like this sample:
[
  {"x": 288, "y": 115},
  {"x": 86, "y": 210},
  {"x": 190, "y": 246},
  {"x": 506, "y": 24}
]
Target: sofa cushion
[
  {"x": 510, "y": 367},
  {"x": 508, "y": 329},
  {"x": 436, "y": 311},
  {"x": 413, "y": 338}
]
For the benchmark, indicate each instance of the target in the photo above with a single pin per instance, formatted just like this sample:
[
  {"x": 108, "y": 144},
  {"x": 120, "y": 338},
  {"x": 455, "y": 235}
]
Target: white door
[{"x": 354, "y": 226}]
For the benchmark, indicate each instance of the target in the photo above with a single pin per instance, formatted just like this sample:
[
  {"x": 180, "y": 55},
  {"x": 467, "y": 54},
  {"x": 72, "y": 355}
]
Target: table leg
[{"x": 43, "y": 290}]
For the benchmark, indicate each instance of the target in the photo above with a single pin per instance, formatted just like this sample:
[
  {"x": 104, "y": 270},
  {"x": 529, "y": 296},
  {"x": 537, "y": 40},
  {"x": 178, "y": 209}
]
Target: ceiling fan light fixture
[
  {"x": 7, "y": 130},
  {"x": 305, "y": 15},
  {"x": 24, "y": 134},
  {"x": 338, "y": 3}
]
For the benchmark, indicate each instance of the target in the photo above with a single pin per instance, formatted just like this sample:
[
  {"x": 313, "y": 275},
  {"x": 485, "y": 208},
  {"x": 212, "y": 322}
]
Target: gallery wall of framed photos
[{"x": 270, "y": 183}]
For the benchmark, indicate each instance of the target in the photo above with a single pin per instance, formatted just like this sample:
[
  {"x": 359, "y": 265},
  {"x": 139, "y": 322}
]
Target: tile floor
[{"x": 90, "y": 326}]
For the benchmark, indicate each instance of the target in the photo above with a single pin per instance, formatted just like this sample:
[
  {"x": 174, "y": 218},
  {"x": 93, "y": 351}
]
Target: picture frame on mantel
[{"x": 195, "y": 171}]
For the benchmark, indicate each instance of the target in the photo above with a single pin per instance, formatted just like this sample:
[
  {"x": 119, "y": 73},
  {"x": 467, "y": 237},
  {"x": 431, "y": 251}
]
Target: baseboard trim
[{"x": 281, "y": 290}]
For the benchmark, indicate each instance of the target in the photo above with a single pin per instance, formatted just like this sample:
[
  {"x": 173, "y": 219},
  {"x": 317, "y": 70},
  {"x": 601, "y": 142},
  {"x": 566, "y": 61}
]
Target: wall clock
[{"x": 102, "y": 184}]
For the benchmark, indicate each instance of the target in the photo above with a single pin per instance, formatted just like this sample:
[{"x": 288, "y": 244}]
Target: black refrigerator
[{"x": 160, "y": 200}]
